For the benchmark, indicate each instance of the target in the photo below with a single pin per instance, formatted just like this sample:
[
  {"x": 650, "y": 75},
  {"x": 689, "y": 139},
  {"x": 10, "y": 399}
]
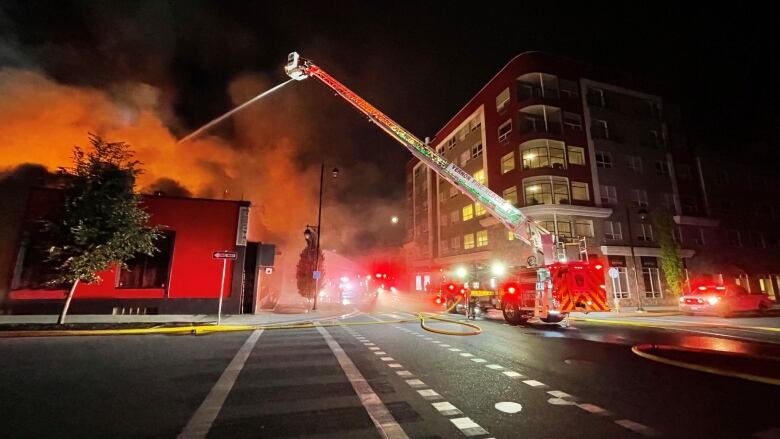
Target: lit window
[
  {"x": 510, "y": 195},
  {"x": 639, "y": 197},
  {"x": 480, "y": 176},
  {"x": 561, "y": 228},
  {"x": 576, "y": 155},
  {"x": 608, "y": 194},
  {"x": 546, "y": 190},
  {"x": 482, "y": 238},
  {"x": 543, "y": 153},
  {"x": 479, "y": 209},
  {"x": 476, "y": 150},
  {"x": 579, "y": 191},
  {"x": 144, "y": 271},
  {"x": 468, "y": 241},
  {"x": 468, "y": 212},
  {"x": 603, "y": 159},
  {"x": 504, "y": 131},
  {"x": 508, "y": 162},
  {"x": 583, "y": 228},
  {"x": 502, "y": 99},
  {"x": 510, "y": 236}
]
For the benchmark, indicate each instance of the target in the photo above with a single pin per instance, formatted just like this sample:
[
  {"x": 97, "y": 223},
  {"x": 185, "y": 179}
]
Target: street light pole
[
  {"x": 317, "y": 245},
  {"x": 633, "y": 260}
]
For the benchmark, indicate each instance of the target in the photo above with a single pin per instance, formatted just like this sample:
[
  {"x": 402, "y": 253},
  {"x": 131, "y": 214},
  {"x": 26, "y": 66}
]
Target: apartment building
[{"x": 589, "y": 153}]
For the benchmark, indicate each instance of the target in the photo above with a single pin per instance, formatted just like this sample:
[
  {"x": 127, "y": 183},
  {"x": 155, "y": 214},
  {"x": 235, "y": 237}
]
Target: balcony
[
  {"x": 526, "y": 91},
  {"x": 531, "y": 124}
]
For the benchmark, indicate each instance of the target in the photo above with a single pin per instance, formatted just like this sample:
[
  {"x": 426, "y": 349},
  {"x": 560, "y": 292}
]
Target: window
[
  {"x": 468, "y": 241},
  {"x": 579, "y": 191},
  {"x": 476, "y": 150},
  {"x": 482, "y": 238},
  {"x": 620, "y": 284},
  {"x": 543, "y": 154},
  {"x": 468, "y": 212},
  {"x": 444, "y": 246},
  {"x": 502, "y": 99},
  {"x": 583, "y": 228},
  {"x": 652, "y": 279},
  {"x": 603, "y": 159},
  {"x": 653, "y": 109},
  {"x": 510, "y": 195},
  {"x": 613, "y": 230},
  {"x": 508, "y": 162},
  {"x": 479, "y": 209},
  {"x": 652, "y": 139},
  {"x": 599, "y": 129},
  {"x": 698, "y": 236},
  {"x": 510, "y": 236},
  {"x": 546, "y": 190},
  {"x": 504, "y": 131},
  {"x": 475, "y": 124},
  {"x": 480, "y": 176},
  {"x": 464, "y": 158},
  {"x": 634, "y": 163},
  {"x": 463, "y": 132},
  {"x": 569, "y": 89},
  {"x": 451, "y": 143},
  {"x": 576, "y": 155},
  {"x": 596, "y": 97},
  {"x": 572, "y": 121},
  {"x": 454, "y": 217},
  {"x": 440, "y": 150},
  {"x": 455, "y": 243},
  {"x": 639, "y": 197},
  {"x": 453, "y": 192},
  {"x": 757, "y": 239},
  {"x": 645, "y": 233},
  {"x": 661, "y": 168},
  {"x": 684, "y": 172},
  {"x": 668, "y": 201},
  {"x": 608, "y": 194},
  {"x": 145, "y": 271},
  {"x": 443, "y": 220}
]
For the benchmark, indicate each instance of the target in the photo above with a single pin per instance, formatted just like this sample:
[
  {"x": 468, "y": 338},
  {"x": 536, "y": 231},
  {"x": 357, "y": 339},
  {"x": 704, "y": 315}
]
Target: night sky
[{"x": 419, "y": 64}]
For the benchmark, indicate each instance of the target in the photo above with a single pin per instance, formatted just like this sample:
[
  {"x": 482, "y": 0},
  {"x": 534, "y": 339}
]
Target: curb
[
  {"x": 640, "y": 351},
  {"x": 672, "y": 324}
]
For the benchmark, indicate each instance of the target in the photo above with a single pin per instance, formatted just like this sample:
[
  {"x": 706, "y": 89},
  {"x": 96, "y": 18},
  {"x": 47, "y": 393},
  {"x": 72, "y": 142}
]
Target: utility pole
[{"x": 317, "y": 245}]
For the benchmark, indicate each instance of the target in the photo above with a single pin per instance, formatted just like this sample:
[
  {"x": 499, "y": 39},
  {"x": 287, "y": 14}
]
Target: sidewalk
[
  {"x": 631, "y": 311},
  {"x": 282, "y": 315}
]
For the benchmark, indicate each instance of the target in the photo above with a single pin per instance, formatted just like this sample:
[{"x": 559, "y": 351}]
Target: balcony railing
[
  {"x": 534, "y": 124},
  {"x": 526, "y": 90}
]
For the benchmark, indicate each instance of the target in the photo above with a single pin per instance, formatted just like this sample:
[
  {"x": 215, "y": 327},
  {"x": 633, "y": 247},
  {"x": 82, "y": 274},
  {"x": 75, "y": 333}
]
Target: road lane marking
[
  {"x": 495, "y": 366},
  {"x": 444, "y": 345},
  {"x": 512, "y": 374},
  {"x": 386, "y": 358},
  {"x": 560, "y": 401},
  {"x": 636, "y": 427},
  {"x": 590, "y": 408},
  {"x": 466, "y": 354},
  {"x": 380, "y": 353},
  {"x": 374, "y": 348},
  {"x": 201, "y": 422},
  {"x": 558, "y": 394},
  {"x": 429, "y": 394},
  {"x": 446, "y": 409},
  {"x": 435, "y": 341},
  {"x": 508, "y": 407},
  {"x": 404, "y": 373},
  {"x": 415, "y": 383},
  {"x": 383, "y": 420},
  {"x": 395, "y": 365},
  {"x": 479, "y": 360},
  {"x": 455, "y": 349},
  {"x": 534, "y": 383},
  {"x": 468, "y": 427}
]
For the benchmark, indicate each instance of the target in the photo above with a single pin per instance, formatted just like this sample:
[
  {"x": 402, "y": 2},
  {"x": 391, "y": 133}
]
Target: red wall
[{"x": 201, "y": 226}]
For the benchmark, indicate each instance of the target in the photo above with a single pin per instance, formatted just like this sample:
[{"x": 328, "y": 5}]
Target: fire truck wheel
[{"x": 512, "y": 314}]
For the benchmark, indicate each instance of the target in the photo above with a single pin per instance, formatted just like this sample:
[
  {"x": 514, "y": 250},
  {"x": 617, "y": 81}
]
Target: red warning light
[
  {"x": 511, "y": 290},
  {"x": 451, "y": 287},
  {"x": 598, "y": 266}
]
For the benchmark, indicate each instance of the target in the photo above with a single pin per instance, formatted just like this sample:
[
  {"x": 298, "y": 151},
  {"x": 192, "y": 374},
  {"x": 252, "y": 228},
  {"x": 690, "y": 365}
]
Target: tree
[
  {"x": 307, "y": 265},
  {"x": 101, "y": 223},
  {"x": 671, "y": 262}
]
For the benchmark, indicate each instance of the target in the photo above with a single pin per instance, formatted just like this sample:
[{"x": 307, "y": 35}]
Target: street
[{"x": 506, "y": 382}]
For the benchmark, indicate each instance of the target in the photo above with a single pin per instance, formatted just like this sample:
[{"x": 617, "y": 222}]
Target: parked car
[{"x": 723, "y": 300}]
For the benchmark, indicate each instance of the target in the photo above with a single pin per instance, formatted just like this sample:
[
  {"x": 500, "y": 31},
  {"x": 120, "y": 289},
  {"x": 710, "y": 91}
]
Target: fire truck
[{"x": 555, "y": 285}]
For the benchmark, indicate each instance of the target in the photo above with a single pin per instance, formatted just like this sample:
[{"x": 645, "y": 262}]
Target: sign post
[{"x": 224, "y": 255}]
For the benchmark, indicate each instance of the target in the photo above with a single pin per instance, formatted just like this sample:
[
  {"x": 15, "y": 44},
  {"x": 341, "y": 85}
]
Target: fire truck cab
[{"x": 553, "y": 291}]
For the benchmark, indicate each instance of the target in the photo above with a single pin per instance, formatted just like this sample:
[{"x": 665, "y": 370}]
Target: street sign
[
  {"x": 613, "y": 272},
  {"x": 316, "y": 275},
  {"x": 225, "y": 254},
  {"x": 269, "y": 270}
]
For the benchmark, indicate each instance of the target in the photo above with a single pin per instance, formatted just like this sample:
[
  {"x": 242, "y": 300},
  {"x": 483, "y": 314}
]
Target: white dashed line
[
  {"x": 596, "y": 410},
  {"x": 466, "y": 354},
  {"x": 429, "y": 394},
  {"x": 386, "y": 358},
  {"x": 404, "y": 373},
  {"x": 479, "y": 360},
  {"x": 374, "y": 348},
  {"x": 435, "y": 341},
  {"x": 415, "y": 383},
  {"x": 369, "y": 344},
  {"x": 495, "y": 366},
  {"x": 636, "y": 427},
  {"x": 558, "y": 394},
  {"x": 446, "y": 409},
  {"x": 468, "y": 427},
  {"x": 380, "y": 352},
  {"x": 534, "y": 383},
  {"x": 455, "y": 349},
  {"x": 394, "y": 365},
  {"x": 512, "y": 374},
  {"x": 444, "y": 345}
]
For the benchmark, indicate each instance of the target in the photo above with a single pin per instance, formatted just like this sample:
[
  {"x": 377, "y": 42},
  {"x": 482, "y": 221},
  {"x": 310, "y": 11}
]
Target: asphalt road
[{"x": 343, "y": 381}]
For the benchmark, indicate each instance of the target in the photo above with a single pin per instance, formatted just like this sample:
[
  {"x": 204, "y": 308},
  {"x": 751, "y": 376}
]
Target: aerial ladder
[{"x": 522, "y": 226}]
